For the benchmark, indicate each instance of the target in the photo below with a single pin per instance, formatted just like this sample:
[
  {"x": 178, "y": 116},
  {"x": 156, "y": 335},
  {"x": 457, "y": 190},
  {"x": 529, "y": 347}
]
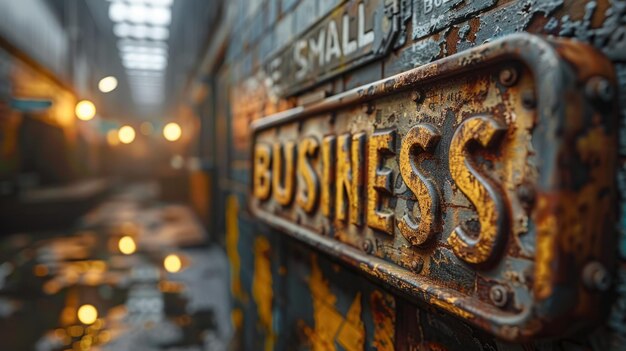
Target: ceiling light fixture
[
  {"x": 140, "y": 31},
  {"x": 136, "y": 42},
  {"x": 143, "y": 49},
  {"x": 138, "y": 13},
  {"x": 159, "y": 2},
  {"x": 117, "y": 12},
  {"x": 158, "y": 15},
  {"x": 144, "y": 65},
  {"x": 147, "y": 58},
  {"x": 147, "y": 2},
  {"x": 107, "y": 84},
  {"x": 142, "y": 26}
]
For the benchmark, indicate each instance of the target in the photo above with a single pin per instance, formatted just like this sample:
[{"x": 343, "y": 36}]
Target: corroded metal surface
[{"x": 481, "y": 183}]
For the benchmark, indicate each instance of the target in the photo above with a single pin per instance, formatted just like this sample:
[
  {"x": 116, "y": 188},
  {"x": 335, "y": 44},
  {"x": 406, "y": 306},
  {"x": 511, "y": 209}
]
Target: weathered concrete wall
[{"x": 287, "y": 296}]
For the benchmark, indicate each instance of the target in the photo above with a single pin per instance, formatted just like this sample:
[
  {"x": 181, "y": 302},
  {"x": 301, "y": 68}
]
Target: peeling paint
[
  {"x": 384, "y": 314},
  {"x": 425, "y": 51},
  {"x": 509, "y": 19},
  {"x": 262, "y": 292},
  {"x": 351, "y": 336},
  {"x": 327, "y": 320},
  {"x": 431, "y": 16},
  {"x": 610, "y": 37},
  {"x": 331, "y": 327}
]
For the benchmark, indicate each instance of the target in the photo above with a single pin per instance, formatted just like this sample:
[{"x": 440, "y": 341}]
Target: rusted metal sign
[
  {"x": 352, "y": 34},
  {"x": 481, "y": 184}
]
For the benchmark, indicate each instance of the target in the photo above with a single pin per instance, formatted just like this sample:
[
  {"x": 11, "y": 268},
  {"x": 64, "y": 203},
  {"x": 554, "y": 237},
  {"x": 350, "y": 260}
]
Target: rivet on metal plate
[
  {"x": 596, "y": 277},
  {"x": 417, "y": 265},
  {"x": 508, "y": 76},
  {"x": 367, "y": 246},
  {"x": 498, "y": 295}
]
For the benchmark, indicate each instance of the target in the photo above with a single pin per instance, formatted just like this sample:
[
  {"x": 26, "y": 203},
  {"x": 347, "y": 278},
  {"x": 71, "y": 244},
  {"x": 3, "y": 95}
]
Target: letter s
[
  {"x": 482, "y": 191},
  {"x": 422, "y": 138}
]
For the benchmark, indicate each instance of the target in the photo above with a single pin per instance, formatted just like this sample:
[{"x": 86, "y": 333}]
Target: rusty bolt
[
  {"x": 599, "y": 89},
  {"x": 595, "y": 276},
  {"x": 417, "y": 265},
  {"x": 508, "y": 76},
  {"x": 498, "y": 295},
  {"x": 367, "y": 246},
  {"x": 416, "y": 96}
]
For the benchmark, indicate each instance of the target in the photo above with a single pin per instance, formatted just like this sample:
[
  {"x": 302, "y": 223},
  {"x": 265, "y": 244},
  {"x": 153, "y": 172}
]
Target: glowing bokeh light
[
  {"x": 172, "y": 263},
  {"x": 87, "y": 314},
  {"x": 127, "y": 245},
  {"x": 126, "y": 134},
  {"x": 172, "y": 131},
  {"x": 107, "y": 84},
  {"x": 85, "y": 110}
]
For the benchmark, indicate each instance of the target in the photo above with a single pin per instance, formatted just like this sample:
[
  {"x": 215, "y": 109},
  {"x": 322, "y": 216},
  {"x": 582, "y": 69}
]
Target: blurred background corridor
[{"x": 103, "y": 245}]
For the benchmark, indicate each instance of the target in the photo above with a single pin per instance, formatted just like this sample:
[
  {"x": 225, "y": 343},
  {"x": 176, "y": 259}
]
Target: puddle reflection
[{"x": 137, "y": 275}]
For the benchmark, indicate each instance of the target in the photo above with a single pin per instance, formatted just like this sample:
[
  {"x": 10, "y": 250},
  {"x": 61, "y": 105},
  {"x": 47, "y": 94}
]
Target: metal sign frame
[{"x": 575, "y": 132}]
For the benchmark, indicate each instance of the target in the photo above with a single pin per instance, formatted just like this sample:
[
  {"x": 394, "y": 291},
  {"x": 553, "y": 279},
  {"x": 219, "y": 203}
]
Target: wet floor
[{"x": 133, "y": 274}]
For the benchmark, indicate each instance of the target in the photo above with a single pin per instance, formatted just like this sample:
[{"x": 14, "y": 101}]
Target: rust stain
[
  {"x": 474, "y": 27},
  {"x": 232, "y": 240},
  {"x": 449, "y": 306},
  {"x": 384, "y": 315},
  {"x": 546, "y": 227},
  {"x": 452, "y": 39},
  {"x": 262, "y": 292}
]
